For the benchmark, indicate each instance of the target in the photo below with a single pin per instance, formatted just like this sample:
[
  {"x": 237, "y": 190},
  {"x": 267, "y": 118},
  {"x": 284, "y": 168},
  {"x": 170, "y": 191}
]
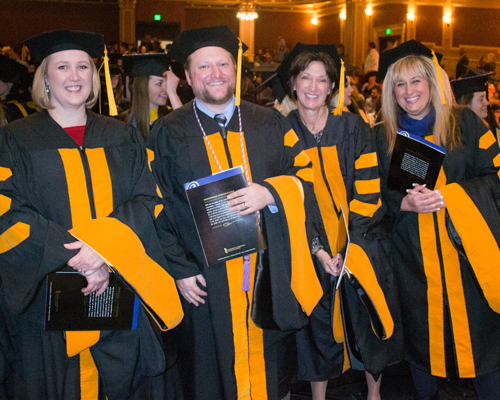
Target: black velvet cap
[
  {"x": 145, "y": 64},
  {"x": 411, "y": 47},
  {"x": 284, "y": 68},
  {"x": 47, "y": 43},
  {"x": 11, "y": 71},
  {"x": 470, "y": 84},
  {"x": 471, "y": 71},
  {"x": 189, "y": 41},
  {"x": 349, "y": 68}
]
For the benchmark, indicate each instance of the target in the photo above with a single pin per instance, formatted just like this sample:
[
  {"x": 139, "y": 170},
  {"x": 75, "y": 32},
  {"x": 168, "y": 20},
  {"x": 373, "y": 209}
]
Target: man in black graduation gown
[{"x": 224, "y": 354}]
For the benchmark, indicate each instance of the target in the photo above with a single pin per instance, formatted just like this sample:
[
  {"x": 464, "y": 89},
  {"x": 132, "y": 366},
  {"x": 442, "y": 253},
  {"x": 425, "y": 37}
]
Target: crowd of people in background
[{"x": 367, "y": 91}]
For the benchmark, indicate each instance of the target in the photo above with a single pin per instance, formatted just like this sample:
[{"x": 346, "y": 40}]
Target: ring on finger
[
  {"x": 80, "y": 271},
  {"x": 245, "y": 205}
]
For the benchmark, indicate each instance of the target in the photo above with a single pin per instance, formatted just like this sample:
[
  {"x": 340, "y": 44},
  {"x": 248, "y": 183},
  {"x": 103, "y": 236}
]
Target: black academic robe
[
  {"x": 346, "y": 174},
  {"x": 15, "y": 110},
  {"x": 224, "y": 354},
  {"x": 53, "y": 191},
  {"x": 448, "y": 304}
]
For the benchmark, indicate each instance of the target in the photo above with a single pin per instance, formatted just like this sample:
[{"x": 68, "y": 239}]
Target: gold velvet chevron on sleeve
[
  {"x": 360, "y": 266},
  {"x": 305, "y": 283},
  {"x": 120, "y": 247},
  {"x": 478, "y": 241}
]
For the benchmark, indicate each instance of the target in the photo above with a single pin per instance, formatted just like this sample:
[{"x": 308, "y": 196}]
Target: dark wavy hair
[{"x": 301, "y": 63}]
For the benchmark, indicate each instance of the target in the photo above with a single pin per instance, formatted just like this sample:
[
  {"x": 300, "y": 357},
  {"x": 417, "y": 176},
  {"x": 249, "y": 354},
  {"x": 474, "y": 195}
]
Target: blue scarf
[{"x": 416, "y": 126}]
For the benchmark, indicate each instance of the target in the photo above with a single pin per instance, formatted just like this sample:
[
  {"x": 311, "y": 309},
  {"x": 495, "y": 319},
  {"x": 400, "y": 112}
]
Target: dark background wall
[
  {"x": 203, "y": 17},
  {"x": 294, "y": 27},
  {"x": 170, "y": 11},
  {"x": 430, "y": 24},
  {"x": 482, "y": 26},
  {"x": 389, "y": 14},
  {"x": 329, "y": 29},
  {"x": 19, "y": 20}
]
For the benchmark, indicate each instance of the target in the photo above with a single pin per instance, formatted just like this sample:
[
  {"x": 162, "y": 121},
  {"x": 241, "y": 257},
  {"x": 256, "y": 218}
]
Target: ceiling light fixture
[{"x": 247, "y": 12}]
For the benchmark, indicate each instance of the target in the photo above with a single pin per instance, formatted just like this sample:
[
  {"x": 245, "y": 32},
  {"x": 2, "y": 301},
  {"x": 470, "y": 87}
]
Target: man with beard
[{"x": 225, "y": 355}]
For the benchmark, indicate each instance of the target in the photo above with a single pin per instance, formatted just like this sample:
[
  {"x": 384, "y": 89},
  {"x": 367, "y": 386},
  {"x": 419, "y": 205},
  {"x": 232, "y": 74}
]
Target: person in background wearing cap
[
  {"x": 78, "y": 196},
  {"x": 117, "y": 83},
  {"x": 472, "y": 91},
  {"x": 345, "y": 178},
  {"x": 13, "y": 81},
  {"x": 445, "y": 241},
  {"x": 352, "y": 98},
  {"x": 225, "y": 354},
  {"x": 152, "y": 86}
]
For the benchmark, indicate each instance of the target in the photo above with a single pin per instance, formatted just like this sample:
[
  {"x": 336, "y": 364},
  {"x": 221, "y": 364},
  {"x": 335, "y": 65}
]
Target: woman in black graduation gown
[
  {"x": 345, "y": 176},
  {"x": 445, "y": 240},
  {"x": 77, "y": 195},
  {"x": 472, "y": 91}
]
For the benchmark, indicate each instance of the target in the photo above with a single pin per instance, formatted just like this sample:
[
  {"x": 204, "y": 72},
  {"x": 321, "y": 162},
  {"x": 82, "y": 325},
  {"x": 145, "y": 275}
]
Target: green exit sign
[
  {"x": 157, "y": 17},
  {"x": 388, "y": 31}
]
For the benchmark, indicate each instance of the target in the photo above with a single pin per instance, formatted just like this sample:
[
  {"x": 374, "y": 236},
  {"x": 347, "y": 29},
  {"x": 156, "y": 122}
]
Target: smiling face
[
  {"x": 479, "y": 104},
  {"x": 313, "y": 86},
  {"x": 157, "y": 92},
  {"x": 497, "y": 115},
  {"x": 348, "y": 92},
  {"x": 413, "y": 94},
  {"x": 69, "y": 78},
  {"x": 212, "y": 76}
]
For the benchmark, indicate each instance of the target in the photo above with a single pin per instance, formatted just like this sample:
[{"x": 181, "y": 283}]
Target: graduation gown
[
  {"x": 449, "y": 310},
  {"x": 346, "y": 174},
  {"x": 53, "y": 191},
  {"x": 224, "y": 354},
  {"x": 15, "y": 110}
]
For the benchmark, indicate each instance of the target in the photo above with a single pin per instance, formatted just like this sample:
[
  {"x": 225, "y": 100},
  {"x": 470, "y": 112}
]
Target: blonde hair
[
  {"x": 445, "y": 132},
  {"x": 39, "y": 90}
]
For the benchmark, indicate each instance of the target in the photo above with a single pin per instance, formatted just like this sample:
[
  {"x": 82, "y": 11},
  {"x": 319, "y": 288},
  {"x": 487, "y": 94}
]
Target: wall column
[
  {"x": 448, "y": 26},
  {"x": 356, "y": 41},
  {"x": 127, "y": 20},
  {"x": 247, "y": 36},
  {"x": 410, "y": 32}
]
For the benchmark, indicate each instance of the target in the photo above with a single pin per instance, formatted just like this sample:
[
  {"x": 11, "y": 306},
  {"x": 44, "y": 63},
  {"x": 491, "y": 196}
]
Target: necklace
[{"x": 321, "y": 122}]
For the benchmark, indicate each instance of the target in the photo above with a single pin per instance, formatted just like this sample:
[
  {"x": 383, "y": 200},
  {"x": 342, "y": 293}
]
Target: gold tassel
[
  {"x": 238, "y": 74},
  {"x": 340, "y": 104},
  {"x": 440, "y": 76},
  {"x": 109, "y": 87}
]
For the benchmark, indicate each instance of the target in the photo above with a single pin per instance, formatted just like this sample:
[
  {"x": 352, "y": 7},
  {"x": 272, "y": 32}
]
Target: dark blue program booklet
[
  {"x": 67, "y": 309},
  {"x": 414, "y": 160},
  {"x": 224, "y": 235}
]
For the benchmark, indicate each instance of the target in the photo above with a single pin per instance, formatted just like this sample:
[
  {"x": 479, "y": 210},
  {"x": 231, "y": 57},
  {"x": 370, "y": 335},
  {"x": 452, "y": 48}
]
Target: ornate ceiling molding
[{"x": 319, "y": 7}]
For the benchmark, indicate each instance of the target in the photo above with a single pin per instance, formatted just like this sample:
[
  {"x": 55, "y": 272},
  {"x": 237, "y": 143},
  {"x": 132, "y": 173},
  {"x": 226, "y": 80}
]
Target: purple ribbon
[{"x": 246, "y": 273}]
